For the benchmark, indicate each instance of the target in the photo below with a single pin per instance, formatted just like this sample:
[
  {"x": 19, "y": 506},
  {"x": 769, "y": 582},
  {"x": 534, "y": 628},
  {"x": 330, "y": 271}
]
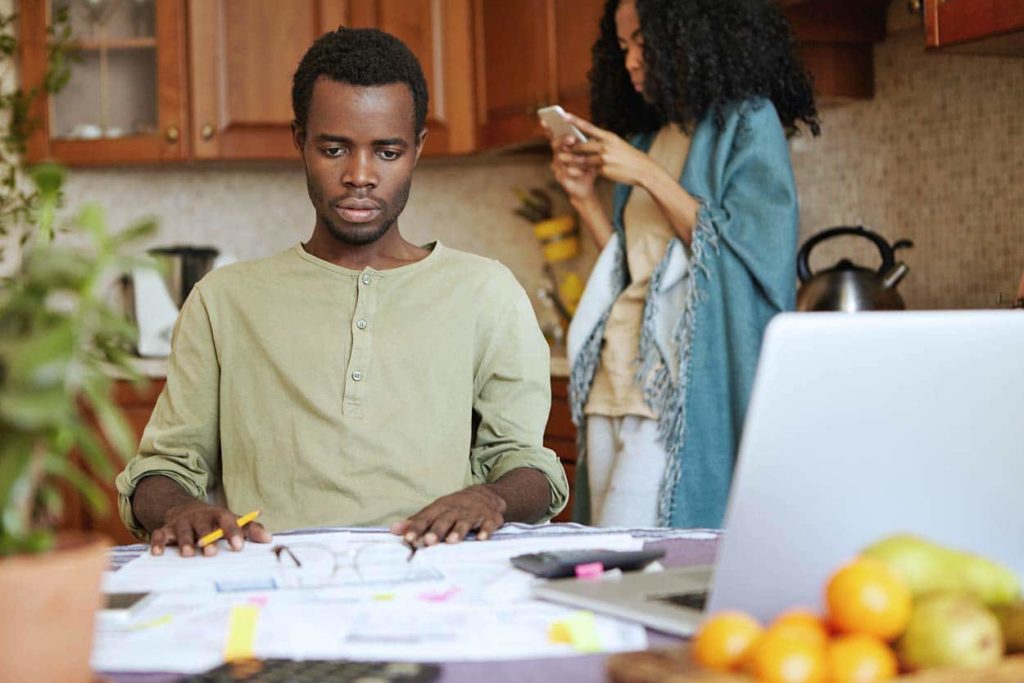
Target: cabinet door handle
[
  {"x": 206, "y": 132},
  {"x": 172, "y": 134}
]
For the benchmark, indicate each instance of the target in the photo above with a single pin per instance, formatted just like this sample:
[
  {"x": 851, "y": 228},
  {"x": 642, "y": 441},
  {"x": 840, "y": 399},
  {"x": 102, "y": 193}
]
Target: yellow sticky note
[
  {"x": 153, "y": 623},
  {"x": 558, "y": 633},
  {"x": 583, "y": 632},
  {"x": 241, "y": 640},
  {"x": 384, "y": 597}
]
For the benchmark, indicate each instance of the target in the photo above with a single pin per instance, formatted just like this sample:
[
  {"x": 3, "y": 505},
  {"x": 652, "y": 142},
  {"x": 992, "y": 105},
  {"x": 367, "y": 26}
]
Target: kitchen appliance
[
  {"x": 153, "y": 297},
  {"x": 847, "y": 286},
  {"x": 182, "y": 267}
]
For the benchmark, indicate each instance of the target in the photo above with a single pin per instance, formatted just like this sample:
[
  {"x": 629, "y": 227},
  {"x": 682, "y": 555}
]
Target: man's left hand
[{"x": 452, "y": 517}]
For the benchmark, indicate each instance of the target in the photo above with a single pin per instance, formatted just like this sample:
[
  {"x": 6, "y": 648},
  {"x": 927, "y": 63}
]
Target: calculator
[
  {"x": 560, "y": 563},
  {"x": 317, "y": 671}
]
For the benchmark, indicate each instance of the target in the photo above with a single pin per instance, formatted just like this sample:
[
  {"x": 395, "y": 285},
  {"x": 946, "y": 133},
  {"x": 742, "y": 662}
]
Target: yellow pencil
[{"x": 215, "y": 536}]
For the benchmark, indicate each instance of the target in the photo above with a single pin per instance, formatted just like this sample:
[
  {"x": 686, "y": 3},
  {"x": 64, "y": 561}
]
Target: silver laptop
[{"x": 859, "y": 426}]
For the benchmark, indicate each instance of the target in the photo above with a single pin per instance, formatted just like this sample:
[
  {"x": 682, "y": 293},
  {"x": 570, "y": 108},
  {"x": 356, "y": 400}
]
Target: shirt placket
[{"x": 359, "y": 371}]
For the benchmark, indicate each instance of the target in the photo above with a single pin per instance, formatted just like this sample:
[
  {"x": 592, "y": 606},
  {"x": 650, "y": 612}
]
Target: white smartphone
[{"x": 556, "y": 119}]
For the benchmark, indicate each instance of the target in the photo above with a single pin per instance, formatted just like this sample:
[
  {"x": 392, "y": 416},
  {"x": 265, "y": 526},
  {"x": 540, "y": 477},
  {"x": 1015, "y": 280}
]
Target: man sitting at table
[{"x": 355, "y": 379}]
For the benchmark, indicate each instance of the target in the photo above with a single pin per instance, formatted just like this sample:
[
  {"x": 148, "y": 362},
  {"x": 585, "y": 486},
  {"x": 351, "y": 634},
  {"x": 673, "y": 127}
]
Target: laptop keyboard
[
  {"x": 318, "y": 671},
  {"x": 690, "y": 599}
]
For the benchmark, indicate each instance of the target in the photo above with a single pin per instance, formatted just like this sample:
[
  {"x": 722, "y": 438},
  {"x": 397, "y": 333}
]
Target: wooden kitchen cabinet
[
  {"x": 244, "y": 53},
  {"x": 234, "y": 99},
  {"x": 439, "y": 32},
  {"x": 560, "y": 436},
  {"x": 980, "y": 26},
  {"x": 529, "y": 54},
  {"x": 211, "y": 79},
  {"x": 835, "y": 39},
  {"x": 126, "y": 100}
]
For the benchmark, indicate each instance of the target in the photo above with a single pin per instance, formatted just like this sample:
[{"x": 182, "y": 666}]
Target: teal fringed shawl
[{"x": 741, "y": 274}]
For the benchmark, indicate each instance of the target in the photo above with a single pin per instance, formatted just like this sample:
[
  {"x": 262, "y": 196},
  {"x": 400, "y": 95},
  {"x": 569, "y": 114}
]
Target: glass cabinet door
[
  {"x": 113, "y": 88},
  {"x": 124, "y": 101}
]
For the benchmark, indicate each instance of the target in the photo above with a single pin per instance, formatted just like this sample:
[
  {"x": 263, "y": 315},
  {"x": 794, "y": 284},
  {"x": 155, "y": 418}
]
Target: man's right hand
[{"x": 186, "y": 523}]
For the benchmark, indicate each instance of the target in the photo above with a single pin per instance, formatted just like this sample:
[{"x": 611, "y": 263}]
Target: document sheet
[{"x": 352, "y": 594}]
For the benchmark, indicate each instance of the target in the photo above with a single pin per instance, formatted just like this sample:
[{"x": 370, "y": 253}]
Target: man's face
[{"x": 360, "y": 148}]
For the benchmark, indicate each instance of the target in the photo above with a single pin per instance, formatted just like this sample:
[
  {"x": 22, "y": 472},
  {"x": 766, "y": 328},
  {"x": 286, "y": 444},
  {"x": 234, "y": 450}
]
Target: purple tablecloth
[{"x": 581, "y": 669}]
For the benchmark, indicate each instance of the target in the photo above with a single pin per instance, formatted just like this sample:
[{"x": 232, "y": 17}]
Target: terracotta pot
[{"x": 48, "y": 605}]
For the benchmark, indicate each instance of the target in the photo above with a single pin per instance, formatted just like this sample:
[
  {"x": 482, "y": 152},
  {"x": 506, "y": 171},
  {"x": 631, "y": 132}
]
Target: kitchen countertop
[
  {"x": 156, "y": 368},
  {"x": 153, "y": 368},
  {"x": 559, "y": 365}
]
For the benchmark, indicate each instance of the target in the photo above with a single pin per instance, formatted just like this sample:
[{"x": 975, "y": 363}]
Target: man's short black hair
[{"x": 359, "y": 56}]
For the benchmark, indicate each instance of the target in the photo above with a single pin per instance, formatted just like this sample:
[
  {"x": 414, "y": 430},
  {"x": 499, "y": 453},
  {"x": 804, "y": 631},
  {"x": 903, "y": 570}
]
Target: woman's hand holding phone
[
  {"x": 571, "y": 171},
  {"x": 613, "y": 157},
  {"x": 577, "y": 163},
  {"x": 575, "y": 172}
]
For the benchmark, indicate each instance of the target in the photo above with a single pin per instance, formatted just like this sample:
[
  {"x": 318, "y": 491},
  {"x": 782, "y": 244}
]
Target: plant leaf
[
  {"x": 35, "y": 410},
  {"x": 15, "y": 460},
  {"x": 93, "y": 452},
  {"x": 58, "y": 466},
  {"x": 48, "y": 177},
  {"x": 135, "y": 232},
  {"x": 42, "y": 359},
  {"x": 110, "y": 418},
  {"x": 51, "y": 501},
  {"x": 55, "y": 267},
  {"x": 93, "y": 218}
]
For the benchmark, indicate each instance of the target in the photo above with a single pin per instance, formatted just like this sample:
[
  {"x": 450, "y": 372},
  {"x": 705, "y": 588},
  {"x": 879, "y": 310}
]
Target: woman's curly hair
[{"x": 700, "y": 56}]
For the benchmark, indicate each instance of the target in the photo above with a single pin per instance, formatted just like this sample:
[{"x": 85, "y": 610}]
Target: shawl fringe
[{"x": 665, "y": 395}]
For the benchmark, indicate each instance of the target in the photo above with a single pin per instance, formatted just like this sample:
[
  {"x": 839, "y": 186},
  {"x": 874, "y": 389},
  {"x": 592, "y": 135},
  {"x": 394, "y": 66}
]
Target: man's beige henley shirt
[{"x": 328, "y": 396}]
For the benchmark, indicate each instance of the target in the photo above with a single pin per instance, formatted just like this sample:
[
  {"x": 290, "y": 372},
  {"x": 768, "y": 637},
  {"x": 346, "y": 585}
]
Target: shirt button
[
  {"x": 357, "y": 375},
  {"x": 361, "y": 324},
  {"x": 366, "y": 279}
]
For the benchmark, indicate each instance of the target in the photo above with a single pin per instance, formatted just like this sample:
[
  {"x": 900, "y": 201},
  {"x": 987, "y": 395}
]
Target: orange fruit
[
  {"x": 802, "y": 623},
  {"x": 785, "y": 655},
  {"x": 725, "y": 640},
  {"x": 867, "y": 597},
  {"x": 860, "y": 659}
]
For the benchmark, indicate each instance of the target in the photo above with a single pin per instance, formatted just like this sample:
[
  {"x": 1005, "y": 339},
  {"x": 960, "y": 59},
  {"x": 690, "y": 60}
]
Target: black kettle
[{"x": 847, "y": 286}]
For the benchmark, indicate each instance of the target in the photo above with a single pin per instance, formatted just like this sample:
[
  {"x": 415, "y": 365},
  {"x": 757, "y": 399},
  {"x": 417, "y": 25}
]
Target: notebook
[{"x": 859, "y": 426}]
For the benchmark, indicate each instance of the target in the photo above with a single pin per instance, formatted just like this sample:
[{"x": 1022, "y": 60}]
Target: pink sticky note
[
  {"x": 440, "y": 596},
  {"x": 591, "y": 570}
]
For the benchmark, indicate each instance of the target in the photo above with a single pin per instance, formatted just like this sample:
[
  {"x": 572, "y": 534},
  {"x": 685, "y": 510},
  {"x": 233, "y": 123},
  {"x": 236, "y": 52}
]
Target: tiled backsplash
[
  {"x": 257, "y": 210},
  {"x": 937, "y": 156}
]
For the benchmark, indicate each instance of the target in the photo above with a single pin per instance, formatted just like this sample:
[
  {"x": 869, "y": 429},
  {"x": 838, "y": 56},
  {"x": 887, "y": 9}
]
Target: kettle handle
[{"x": 803, "y": 270}]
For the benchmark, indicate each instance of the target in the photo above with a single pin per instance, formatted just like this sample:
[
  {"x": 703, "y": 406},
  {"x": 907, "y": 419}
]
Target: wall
[
  {"x": 257, "y": 210},
  {"x": 938, "y": 157}
]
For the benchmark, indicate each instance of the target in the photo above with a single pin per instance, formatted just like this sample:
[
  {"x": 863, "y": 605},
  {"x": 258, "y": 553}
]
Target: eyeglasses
[{"x": 307, "y": 565}]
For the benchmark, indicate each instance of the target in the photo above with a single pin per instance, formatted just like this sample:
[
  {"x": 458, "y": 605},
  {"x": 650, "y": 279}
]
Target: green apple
[
  {"x": 929, "y": 568},
  {"x": 949, "y": 629}
]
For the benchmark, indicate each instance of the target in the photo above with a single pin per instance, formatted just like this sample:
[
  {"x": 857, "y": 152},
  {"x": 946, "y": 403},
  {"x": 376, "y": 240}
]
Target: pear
[
  {"x": 1011, "y": 620},
  {"x": 950, "y": 629},
  {"x": 928, "y": 567}
]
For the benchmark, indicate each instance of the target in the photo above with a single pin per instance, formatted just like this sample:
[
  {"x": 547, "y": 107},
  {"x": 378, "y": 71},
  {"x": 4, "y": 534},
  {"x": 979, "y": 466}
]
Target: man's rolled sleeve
[
  {"x": 181, "y": 440},
  {"x": 191, "y": 478},
  {"x": 513, "y": 399}
]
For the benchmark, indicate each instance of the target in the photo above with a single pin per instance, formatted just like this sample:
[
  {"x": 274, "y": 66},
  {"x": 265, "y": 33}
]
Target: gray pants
[{"x": 625, "y": 466}]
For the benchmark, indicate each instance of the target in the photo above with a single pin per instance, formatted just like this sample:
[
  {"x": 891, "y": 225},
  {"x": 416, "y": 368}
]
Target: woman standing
[{"x": 697, "y": 256}]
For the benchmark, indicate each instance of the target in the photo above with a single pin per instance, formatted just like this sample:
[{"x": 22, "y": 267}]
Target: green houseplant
[{"x": 61, "y": 344}]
